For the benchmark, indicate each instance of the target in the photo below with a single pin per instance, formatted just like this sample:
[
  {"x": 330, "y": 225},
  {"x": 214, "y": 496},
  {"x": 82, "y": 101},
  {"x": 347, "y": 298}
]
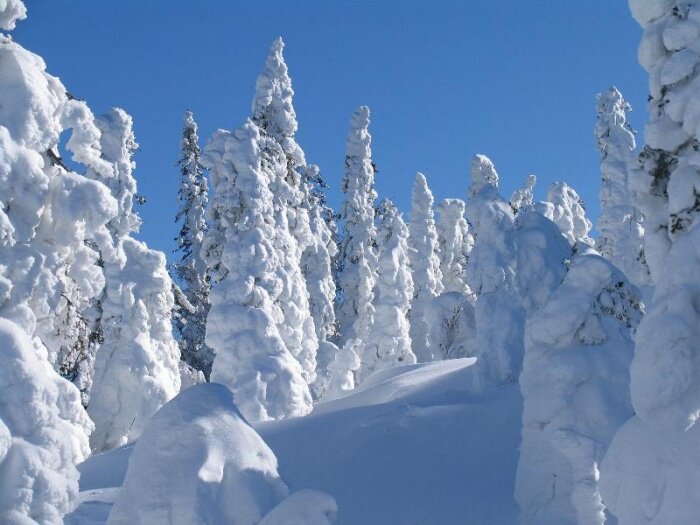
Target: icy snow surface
[{"x": 412, "y": 445}]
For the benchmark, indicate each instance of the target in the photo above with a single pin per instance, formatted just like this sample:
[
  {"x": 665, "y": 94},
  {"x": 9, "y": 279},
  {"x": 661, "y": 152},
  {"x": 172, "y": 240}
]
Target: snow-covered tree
[
  {"x": 342, "y": 370},
  {"x": 317, "y": 268},
  {"x": 653, "y": 465},
  {"x": 192, "y": 268},
  {"x": 620, "y": 223},
  {"x": 524, "y": 197},
  {"x": 246, "y": 307},
  {"x": 575, "y": 384},
  {"x": 565, "y": 208},
  {"x": 273, "y": 113},
  {"x": 455, "y": 242},
  {"x": 357, "y": 255},
  {"x": 499, "y": 314},
  {"x": 425, "y": 265},
  {"x": 136, "y": 367},
  {"x": 389, "y": 343},
  {"x": 452, "y": 328}
]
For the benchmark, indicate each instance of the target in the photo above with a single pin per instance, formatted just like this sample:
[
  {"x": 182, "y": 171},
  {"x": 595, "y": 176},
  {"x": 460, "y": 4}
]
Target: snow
[
  {"x": 413, "y": 444},
  {"x": 43, "y": 434},
  {"x": 10, "y": 12}
]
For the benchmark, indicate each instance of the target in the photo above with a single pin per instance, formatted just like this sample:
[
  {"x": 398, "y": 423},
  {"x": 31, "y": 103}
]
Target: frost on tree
[
  {"x": 499, "y": 315},
  {"x": 663, "y": 437},
  {"x": 575, "y": 384},
  {"x": 389, "y": 343},
  {"x": 523, "y": 198},
  {"x": 273, "y": 113},
  {"x": 43, "y": 434},
  {"x": 136, "y": 367},
  {"x": 242, "y": 327},
  {"x": 425, "y": 265},
  {"x": 565, "y": 208},
  {"x": 357, "y": 255},
  {"x": 455, "y": 242},
  {"x": 191, "y": 269},
  {"x": 620, "y": 223},
  {"x": 342, "y": 370},
  {"x": 452, "y": 327},
  {"x": 225, "y": 474}
]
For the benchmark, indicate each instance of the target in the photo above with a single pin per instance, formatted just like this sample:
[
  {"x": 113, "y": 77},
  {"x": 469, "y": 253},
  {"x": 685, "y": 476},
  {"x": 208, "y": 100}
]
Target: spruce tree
[
  {"x": 620, "y": 223},
  {"x": 358, "y": 259},
  {"x": 425, "y": 265},
  {"x": 191, "y": 269},
  {"x": 388, "y": 342}
]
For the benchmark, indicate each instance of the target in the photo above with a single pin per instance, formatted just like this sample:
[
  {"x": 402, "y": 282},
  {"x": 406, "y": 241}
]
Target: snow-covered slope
[{"x": 412, "y": 445}]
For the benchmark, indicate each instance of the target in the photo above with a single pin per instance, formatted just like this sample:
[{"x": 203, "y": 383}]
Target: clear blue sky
[{"x": 513, "y": 79}]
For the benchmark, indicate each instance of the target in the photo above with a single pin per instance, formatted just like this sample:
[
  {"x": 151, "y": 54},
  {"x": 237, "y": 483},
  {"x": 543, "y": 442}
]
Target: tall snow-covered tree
[
  {"x": 498, "y": 312},
  {"x": 620, "y": 223},
  {"x": 575, "y": 384},
  {"x": 247, "y": 306},
  {"x": 425, "y": 265},
  {"x": 652, "y": 467},
  {"x": 455, "y": 243},
  {"x": 358, "y": 259},
  {"x": 389, "y": 341},
  {"x": 192, "y": 268},
  {"x": 273, "y": 113},
  {"x": 136, "y": 367}
]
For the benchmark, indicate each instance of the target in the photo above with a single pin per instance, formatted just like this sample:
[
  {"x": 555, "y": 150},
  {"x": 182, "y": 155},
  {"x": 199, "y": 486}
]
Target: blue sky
[{"x": 513, "y": 79}]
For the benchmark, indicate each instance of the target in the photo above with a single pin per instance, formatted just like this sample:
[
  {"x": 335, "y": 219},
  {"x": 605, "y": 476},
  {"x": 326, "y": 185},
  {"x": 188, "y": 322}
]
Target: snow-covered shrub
[
  {"x": 341, "y": 370},
  {"x": 425, "y": 265},
  {"x": 242, "y": 327},
  {"x": 199, "y": 462},
  {"x": 43, "y": 434},
  {"x": 450, "y": 317},
  {"x": 389, "y": 343}
]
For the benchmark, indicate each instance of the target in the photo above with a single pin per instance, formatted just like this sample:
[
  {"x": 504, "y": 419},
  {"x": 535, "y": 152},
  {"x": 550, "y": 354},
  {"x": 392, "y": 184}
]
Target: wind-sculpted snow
[
  {"x": 575, "y": 383},
  {"x": 368, "y": 450},
  {"x": 455, "y": 243},
  {"x": 43, "y": 434},
  {"x": 10, "y": 12},
  {"x": 452, "y": 333},
  {"x": 565, "y": 208}
]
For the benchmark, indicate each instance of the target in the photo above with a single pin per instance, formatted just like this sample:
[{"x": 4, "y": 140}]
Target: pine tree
[
  {"x": 357, "y": 256},
  {"x": 247, "y": 305},
  {"x": 425, "y": 265},
  {"x": 620, "y": 223},
  {"x": 136, "y": 366},
  {"x": 389, "y": 343},
  {"x": 455, "y": 243},
  {"x": 192, "y": 269}
]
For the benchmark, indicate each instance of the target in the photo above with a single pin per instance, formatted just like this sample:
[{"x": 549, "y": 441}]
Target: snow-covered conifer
[
  {"x": 565, "y": 208},
  {"x": 192, "y": 268},
  {"x": 136, "y": 367},
  {"x": 389, "y": 343},
  {"x": 575, "y": 384},
  {"x": 242, "y": 326},
  {"x": 455, "y": 242},
  {"x": 273, "y": 113},
  {"x": 524, "y": 197},
  {"x": 498, "y": 313},
  {"x": 653, "y": 462},
  {"x": 342, "y": 370},
  {"x": 357, "y": 255},
  {"x": 452, "y": 329},
  {"x": 620, "y": 223},
  {"x": 43, "y": 434},
  {"x": 425, "y": 265}
]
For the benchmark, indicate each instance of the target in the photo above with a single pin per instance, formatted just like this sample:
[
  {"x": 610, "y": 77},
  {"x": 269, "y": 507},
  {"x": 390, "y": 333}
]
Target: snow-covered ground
[{"x": 412, "y": 445}]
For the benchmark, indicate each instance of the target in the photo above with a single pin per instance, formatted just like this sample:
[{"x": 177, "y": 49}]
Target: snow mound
[{"x": 198, "y": 462}]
